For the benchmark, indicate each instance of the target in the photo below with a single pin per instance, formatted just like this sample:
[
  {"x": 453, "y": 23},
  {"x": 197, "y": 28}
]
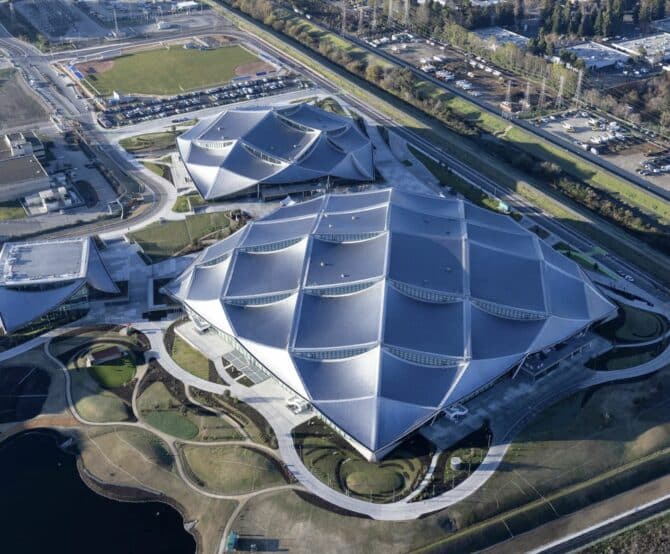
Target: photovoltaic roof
[
  {"x": 235, "y": 151},
  {"x": 37, "y": 277},
  {"x": 383, "y": 307}
]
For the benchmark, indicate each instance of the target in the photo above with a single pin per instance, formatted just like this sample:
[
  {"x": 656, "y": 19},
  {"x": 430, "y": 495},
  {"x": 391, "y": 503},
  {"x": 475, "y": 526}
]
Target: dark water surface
[{"x": 46, "y": 507}]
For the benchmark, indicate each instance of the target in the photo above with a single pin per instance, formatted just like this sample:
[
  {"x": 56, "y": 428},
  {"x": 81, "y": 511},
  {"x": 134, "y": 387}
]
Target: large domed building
[
  {"x": 383, "y": 308},
  {"x": 246, "y": 151}
]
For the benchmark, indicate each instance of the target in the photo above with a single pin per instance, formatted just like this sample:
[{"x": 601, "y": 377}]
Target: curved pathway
[
  {"x": 167, "y": 439},
  {"x": 278, "y": 416}
]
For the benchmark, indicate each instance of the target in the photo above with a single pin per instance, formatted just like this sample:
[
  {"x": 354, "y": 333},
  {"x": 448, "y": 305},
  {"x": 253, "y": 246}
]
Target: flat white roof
[
  {"x": 502, "y": 36},
  {"x": 595, "y": 54},
  {"x": 655, "y": 46},
  {"x": 29, "y": 263}
]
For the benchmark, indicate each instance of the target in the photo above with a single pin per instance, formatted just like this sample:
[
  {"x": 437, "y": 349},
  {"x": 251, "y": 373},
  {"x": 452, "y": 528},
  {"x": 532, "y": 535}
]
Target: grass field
[
  {"x": 162, "y": 240},
  {"x": 231, "y": 469},
  {"x": 166, "y": 71},
  {"x": 159, "y": 169},
  {"x": 114, "y": 373},
  {"x": 189, "y": 358},
  {"x": 172, "y": 423},
  {"x": 11, "y": 210},
  {"x": 162, "y": 410},
  {"x": 93, "y": 402},
  {"x": 253, "y": 423}
]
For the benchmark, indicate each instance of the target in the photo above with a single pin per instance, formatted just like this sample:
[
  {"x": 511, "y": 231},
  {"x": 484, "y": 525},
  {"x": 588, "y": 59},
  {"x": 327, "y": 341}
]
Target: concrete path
[{"x": 269, "y": 399}]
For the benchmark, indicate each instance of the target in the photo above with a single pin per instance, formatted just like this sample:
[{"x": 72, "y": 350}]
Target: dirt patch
[
  {"x": 19, "y": 105},
  {"x": 91, "y": 68},
  {"x": 252, "y": 68}
]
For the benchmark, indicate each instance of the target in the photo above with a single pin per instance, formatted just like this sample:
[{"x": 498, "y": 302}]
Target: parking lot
[
  {"x": 473, "y": 75},
  {"x": 138, "y": 111},
  {"x": 627, "y": 150},
  {"x": 60, "y": 20},
  {"x": 142, "y": 17}
]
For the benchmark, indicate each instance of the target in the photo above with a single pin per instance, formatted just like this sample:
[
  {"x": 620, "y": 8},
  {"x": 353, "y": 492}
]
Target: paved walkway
[{"x": 269, "y": 399}]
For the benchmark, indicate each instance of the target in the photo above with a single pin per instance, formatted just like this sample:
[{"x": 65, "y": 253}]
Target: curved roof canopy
[
  {"x": 382, "y": 307},
  {"x": 232, "y": 152},
  {"x": 37, "y": 277}
]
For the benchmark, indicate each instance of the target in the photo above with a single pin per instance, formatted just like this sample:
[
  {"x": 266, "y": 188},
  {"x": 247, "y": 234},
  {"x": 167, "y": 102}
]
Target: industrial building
[
  {"x": 20, "y": 177},
  {"x": 653, "y": 48},
  {"x": 40, "y": 281},
  {"x": 497, "y": 36},
  {"x": 261, "y": 151},
  {"x": 598, "y": 56},
  {"x": 382, "y": 309}
]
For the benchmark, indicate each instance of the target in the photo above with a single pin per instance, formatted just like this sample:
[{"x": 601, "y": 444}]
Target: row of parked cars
[{"x": 130, "y": 111}]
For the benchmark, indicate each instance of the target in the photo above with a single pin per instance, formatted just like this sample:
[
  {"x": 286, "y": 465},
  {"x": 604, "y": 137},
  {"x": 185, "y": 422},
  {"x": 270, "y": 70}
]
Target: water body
[{"x": 46, "y": 507}]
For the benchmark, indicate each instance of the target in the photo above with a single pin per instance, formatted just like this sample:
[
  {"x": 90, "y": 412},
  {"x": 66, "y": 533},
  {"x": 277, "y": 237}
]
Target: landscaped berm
[
  {"x": 337, "y": 464},
  {"x": 170, "y": 70}
]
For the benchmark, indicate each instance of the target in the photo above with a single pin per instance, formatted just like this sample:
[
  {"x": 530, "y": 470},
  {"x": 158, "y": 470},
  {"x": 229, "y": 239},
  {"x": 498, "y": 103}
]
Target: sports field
[{"x": 169, "y": 71}]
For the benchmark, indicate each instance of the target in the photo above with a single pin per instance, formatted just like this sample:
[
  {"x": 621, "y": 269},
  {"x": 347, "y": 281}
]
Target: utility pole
[
  {"x": 506, "y": 106},
  {"x": 360, "y": 20},
  {"x": 543, "y": 94},
  {"x": 344, "y": 17},
  {"x": 559, "y": 97},
  {"x": 526, "y": 98},
  {"x": 578, "y": 91},
  {"x": 373, "y": 4},
  {"x": 406, "y": 15},
  {"x": 116, "y": 24}
]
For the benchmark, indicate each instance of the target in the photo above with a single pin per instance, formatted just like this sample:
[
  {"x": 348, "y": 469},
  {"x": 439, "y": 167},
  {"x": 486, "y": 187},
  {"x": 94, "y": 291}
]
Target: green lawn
[
  {"x": 93, "y": 402},
  {"x": 115, "y": 373},
  {"x": 172, "y": 423},
  {"x": 329, "y": 104},
  {"x": 231, "y": 469},
  {"x": 11, "y": 210},
  {"x": 189, "y": 358},
  {"x": 162, "y": 410},
  {"x": 161, "y": 240},
  {"x": 188, "y": 201},
  {"x": 149, "y": 142},
  {"x": 159, "y": 169},
  {"x": 169, "y": 71}
]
